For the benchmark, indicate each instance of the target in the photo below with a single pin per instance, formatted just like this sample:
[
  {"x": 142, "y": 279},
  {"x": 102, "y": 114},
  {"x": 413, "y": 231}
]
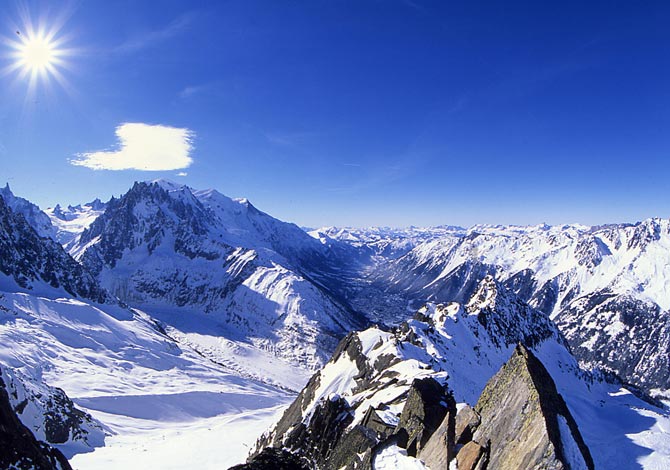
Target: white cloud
[
  {"x": 143, "y": 147},
  {"x": 182, "y": 173}
]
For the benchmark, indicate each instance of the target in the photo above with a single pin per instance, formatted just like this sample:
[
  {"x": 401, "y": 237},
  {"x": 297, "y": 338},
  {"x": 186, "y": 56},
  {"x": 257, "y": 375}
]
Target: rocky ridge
[
  {"x": 31, "y": 261},
  {"x": 50, "y": 414},
  {"x": 457, "y": 382}
]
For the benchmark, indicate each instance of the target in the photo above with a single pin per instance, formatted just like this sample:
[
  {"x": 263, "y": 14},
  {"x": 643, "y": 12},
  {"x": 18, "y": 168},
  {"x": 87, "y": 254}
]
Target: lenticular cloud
[{"x": 143, "y": 147}]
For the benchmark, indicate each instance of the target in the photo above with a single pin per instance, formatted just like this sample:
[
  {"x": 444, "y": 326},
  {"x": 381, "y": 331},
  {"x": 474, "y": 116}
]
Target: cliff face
[
  {"x": 20, "y": 449},
  {"x": 34, "y": 262},
  {"x": 525, "y": 422}
]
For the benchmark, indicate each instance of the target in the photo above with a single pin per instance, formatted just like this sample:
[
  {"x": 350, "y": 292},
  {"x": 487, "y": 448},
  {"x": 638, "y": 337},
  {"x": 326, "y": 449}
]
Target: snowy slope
[
  {"x": 158, "y": 400},
  {"x": 139, "y": 383}
]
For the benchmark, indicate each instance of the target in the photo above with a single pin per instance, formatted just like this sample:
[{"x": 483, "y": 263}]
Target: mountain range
[{"x": 170, "y": 308}]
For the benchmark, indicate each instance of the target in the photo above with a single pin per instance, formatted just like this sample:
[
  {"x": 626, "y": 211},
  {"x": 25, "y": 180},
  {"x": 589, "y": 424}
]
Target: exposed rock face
[
  {"x": 520, "y": 422},
  {"x": 29, "y": 259},
  {"x": 49, "y": 413},
  {"x": 525, "y": 423},
  {"x": 19, "y": 448},
  {"x": 392, "y": 390},
  {"x": 472, "y": 456},
  {"x": 330, "y": 439},
  {"x": 424, "y": 410},
  {"x": 467, "y": 421},
  {"x": 439, "y": 449},
  {"x": 333, "y": 431}
]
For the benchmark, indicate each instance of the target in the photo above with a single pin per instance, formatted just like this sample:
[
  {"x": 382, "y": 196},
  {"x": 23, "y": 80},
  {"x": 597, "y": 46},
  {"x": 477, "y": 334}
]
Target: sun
[{"x": 37, "y": 54}]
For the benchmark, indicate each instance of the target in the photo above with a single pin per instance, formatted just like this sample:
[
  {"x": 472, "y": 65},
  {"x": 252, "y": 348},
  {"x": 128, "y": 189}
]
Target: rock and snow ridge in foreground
[{"x": 461, "y": 347}]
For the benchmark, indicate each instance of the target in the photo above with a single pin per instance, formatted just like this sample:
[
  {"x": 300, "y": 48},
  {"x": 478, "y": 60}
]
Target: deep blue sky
[{"x": 362, "y": 112}]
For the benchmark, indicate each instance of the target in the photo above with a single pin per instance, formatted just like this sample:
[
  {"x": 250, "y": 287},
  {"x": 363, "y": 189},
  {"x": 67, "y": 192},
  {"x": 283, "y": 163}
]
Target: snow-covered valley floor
[
  {"x": 163, "y": 405},
  {"x": 182, "y": 441}
]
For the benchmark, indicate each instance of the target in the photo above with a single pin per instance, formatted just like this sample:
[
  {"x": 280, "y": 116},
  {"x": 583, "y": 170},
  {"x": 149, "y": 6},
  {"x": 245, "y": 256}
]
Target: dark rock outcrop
[
  {"x": 425, "y": 408},
  {"x": 273, "y": 459},
  {"x": 18, "y": 447},
  {"x": 48, "y": 412}
]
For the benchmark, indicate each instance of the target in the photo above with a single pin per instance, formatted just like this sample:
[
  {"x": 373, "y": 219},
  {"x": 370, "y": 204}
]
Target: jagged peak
[{"x": 486, "y": 295}]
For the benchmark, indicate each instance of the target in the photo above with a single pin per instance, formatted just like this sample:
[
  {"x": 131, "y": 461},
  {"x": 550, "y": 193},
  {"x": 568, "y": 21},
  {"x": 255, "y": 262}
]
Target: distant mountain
[
  {"x": 69, "y": 222},
  {"x": 604, "y": 286},
  {"x": 205, "y": 263},
  {"x": 386, "y": 242}
]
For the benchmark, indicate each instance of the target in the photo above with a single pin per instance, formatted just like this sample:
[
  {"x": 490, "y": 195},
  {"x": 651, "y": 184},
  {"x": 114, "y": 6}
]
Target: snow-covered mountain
[
  {"x": 32, "y": 263},
  {"x": 69, "y": 222},
  {"x": 31, "y": 212},
  {"x": 386, "y": 242},
  {"x": 604, "y": 286},
  {"x": 225, "y": 310},
  {"x": 142, "y": 387},
  {"x": 356, "y": 412},
  {"x": 215, "y": 267}
]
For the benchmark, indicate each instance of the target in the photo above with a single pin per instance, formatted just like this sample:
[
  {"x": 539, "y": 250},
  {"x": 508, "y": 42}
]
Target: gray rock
[
  {"x": 440, "y": 448},
  {"x": 467, "y": 421},
  {"x": 526, "y": 421}
]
